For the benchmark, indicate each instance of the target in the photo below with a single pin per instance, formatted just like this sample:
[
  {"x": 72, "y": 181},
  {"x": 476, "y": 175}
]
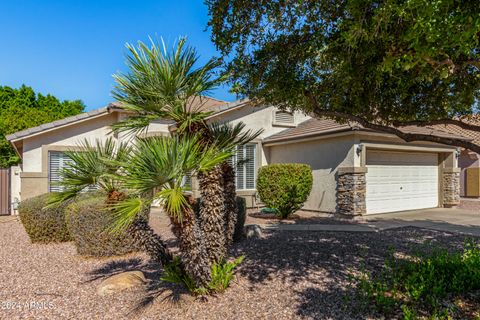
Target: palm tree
[
  {"x": 155, "y": 171},
  {"x": 166, "y": 84},
  {"x": 94, "y": 167}
]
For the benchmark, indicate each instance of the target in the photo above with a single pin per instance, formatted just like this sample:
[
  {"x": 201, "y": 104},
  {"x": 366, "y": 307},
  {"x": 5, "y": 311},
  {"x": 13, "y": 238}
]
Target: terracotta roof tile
[{"x": 472, "y": 134}]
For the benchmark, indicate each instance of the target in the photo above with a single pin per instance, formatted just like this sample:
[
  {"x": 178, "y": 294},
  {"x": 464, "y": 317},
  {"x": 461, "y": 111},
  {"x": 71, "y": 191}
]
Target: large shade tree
[{"x": 384, "y": 64}]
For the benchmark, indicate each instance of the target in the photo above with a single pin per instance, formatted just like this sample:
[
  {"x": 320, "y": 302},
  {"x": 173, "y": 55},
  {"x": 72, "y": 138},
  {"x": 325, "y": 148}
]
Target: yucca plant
[{"x": 95, "y": 166}]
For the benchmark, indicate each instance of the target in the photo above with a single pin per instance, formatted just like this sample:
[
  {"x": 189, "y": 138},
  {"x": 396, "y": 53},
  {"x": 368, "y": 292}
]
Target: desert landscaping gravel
[{"x": 285, "y": 275}]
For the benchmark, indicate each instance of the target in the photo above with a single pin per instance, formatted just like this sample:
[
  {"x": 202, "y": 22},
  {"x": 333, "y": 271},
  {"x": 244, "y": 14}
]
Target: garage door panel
[{"x": 401, "y": 181}]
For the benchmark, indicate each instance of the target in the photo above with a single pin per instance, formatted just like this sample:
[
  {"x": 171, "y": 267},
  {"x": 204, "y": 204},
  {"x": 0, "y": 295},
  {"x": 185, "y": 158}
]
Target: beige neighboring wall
[
  {"x": 34, "y": 178},
  {"x": 325, "y": 156}
]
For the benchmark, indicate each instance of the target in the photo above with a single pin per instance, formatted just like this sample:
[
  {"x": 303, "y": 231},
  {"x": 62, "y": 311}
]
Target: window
[
  {"x": 187, "y": 181},
  {"x": 284, "y": 117},
  {"x": 56, "y": 162},
  {"x": 244, "y": 162}
]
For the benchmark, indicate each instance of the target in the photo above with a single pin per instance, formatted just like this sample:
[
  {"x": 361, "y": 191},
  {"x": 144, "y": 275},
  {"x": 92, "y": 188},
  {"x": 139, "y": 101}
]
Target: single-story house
[{"x": 356, "y": 171}]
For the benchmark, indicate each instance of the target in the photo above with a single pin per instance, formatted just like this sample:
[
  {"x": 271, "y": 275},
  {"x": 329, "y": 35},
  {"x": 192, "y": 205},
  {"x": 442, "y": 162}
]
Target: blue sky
[{"x": 71, "y": 48}]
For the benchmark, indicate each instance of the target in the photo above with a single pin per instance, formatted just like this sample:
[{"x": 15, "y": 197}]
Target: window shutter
[
  {"x": 187, "y": 181},
  {"x": 250, "y": 166},
  {"x": 284, "y": 117},
  {"x": 57, "y": 161},
  {"x": 240, "y": 167}
]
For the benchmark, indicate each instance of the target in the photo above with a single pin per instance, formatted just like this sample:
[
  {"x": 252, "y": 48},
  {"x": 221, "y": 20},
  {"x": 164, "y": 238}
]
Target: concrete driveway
[{"x": 451, "y": 220}]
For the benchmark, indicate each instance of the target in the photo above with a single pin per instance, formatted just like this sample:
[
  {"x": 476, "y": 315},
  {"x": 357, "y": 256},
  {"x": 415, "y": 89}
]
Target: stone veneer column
[
  {"x": 450, "y": 187},
  {"x": 351, "y": 188}
]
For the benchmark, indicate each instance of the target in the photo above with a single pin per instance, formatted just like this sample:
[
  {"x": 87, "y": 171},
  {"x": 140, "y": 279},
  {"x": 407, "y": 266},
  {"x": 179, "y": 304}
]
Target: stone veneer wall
[
  {"x": 351, "y": 188},
  {"x": 451, "y": 187}
]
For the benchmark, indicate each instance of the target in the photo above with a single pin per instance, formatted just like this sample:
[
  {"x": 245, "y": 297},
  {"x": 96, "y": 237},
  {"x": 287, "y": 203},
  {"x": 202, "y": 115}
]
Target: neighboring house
[
  {"x": 356, "y": 171},
  {"x": 469, "y": 161}
]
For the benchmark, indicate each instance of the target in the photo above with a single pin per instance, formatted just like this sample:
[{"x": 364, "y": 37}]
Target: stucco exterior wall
[
  {"x": 34, "y": 178},
  {"x": 325, "y": 156},
  {"x": 92, "y": 129},
  {"x": 259, "y": 118}
]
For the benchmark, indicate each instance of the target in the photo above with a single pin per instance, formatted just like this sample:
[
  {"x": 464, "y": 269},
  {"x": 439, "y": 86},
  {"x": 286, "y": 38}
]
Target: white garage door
[{"x": 398, "y": 181}]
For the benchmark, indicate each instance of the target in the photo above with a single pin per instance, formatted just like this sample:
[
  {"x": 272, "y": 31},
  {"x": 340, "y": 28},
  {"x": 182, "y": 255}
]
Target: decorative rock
[
  {"x": 120, "y": 282},
  {"x": 253, "y": 231}
]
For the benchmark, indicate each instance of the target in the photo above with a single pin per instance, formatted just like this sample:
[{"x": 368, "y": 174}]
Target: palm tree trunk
[
  {"x": 212, "y": 213},
  {"x": 230, "y": 203},
  {"x": 192, "y": 247},
  {"x": 147, "y": 240},
  {"x": 143, "y": 235}
]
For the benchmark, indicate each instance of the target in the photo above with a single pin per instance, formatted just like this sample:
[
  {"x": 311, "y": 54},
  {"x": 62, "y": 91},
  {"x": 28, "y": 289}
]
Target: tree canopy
[
  {"x": 385, "y": 64},
  {"x": 22, "y": 108}
]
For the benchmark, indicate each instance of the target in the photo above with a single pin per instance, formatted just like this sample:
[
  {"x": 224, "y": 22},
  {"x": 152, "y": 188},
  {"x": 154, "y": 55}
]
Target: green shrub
[
  {"x": 222, "y": 275},
  {"x": 284, "y": 187},
  {"x": 241, "y": 217},
  {"x": 43, "y": 224},
  {"x": 422, "y": 283},
  {"x": 89, "y": 222}
]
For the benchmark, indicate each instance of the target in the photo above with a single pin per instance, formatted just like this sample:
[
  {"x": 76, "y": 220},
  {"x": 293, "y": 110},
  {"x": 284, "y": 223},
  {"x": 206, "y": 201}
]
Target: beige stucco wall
[
  {"x": 34, "y": 178},
  {"x": 92, "y": 129},
  {"x": 325, "y": 156},
  {"x": 259, "y": 118}
]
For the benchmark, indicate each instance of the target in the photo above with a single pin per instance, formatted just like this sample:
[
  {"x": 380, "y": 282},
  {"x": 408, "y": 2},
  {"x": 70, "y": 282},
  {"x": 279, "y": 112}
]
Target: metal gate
[{"x": 4, "y": 191}]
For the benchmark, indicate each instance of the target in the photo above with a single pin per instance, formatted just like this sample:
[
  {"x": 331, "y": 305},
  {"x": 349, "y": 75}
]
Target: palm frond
[
  {"x": 164, "y": 83},
  {"x": 228, "y": 136},
  {"x": 91, "y": 166},
  {"x": 126, "y": 211},
  {"x": 174, "y": 200}
]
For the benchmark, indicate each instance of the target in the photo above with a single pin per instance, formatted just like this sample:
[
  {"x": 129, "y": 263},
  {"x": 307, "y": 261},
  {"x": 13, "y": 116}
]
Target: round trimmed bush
[
  {"x": 284, "y": 187},
  {"x": 89, "y": 222},
  {"x": 44, "y": 224}
]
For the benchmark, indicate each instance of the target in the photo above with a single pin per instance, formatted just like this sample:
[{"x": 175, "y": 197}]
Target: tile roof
[
  {"x": 472, "y": 134},
  {"x": 206, "y": 104},
  {"x": 317, "y": 127},
  {"x": 57, "y": 123}
]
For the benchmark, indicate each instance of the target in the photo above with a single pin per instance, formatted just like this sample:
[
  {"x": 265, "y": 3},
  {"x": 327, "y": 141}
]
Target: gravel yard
[{"x": 285, "y": 275}]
